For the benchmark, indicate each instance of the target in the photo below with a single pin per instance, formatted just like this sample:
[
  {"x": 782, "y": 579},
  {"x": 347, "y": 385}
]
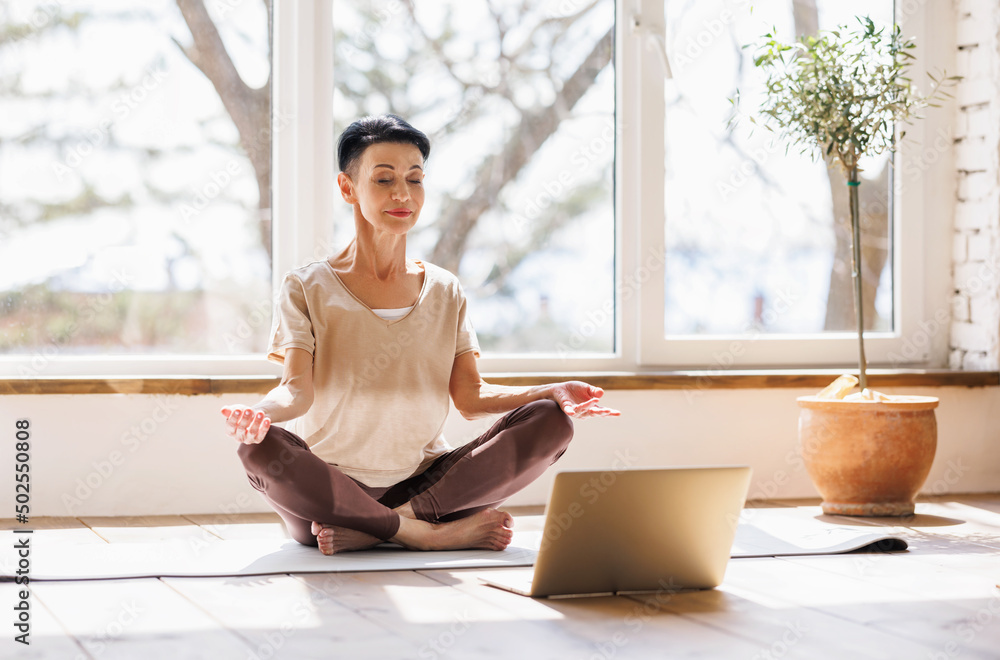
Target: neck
[{"x": 372, "y": 253}]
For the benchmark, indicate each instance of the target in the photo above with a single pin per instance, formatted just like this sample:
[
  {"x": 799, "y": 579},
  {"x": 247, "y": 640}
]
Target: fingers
[
  {"x": 576, "y": 409},
  {"x": 245, "y": 424},
  {"x": 253, "y": 426},
  {"x": 258, "y": 428},
  {"x": 600, "y": 411},
  {"x": 233, "y": 418},
  {"x": 568, "y": 394},
  {"x": 240, "y": 420},
  {"x": 589, "y": 409},
  {"x": 264, "y": 428}
]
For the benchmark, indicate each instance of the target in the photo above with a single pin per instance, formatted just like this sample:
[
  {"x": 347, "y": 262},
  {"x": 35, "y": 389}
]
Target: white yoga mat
[
  {"x": 793, "y": 532},
  {"x": 196, "y": 558},
  {"x": 761, "y": 533}
]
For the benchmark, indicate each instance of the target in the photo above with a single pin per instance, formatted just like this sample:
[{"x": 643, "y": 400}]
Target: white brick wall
[{"x": 975, "y": 327}]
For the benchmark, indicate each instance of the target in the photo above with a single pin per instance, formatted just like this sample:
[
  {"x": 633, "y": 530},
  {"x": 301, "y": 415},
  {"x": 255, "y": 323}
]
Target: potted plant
[{"x": 842, "y": 95}]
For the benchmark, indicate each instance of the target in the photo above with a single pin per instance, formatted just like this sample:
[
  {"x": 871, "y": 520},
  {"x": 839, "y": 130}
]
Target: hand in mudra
[
  {"x": 578, "y": 399},
  {"x": 246, "y": 425}
]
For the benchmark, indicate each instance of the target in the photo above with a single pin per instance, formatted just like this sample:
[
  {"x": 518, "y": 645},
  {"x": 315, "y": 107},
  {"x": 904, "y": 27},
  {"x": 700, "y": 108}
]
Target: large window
[
  {"x": 134, "y": 179},
  {"x": 757, "y": 237},
  {"x": 755, "y": 266},
  {"x": 599, "y": 213},
  {"x": 518, "y": 99}
]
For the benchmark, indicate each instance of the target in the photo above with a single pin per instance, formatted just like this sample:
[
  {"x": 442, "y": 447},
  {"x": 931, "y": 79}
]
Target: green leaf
[{"x": 841, "y": 89}]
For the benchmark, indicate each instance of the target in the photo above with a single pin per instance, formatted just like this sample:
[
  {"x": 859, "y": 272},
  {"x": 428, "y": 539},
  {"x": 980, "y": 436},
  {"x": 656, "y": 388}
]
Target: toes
[
  {"x": 332, "y": 540},
  {"x": 500, "y": 539},
  {"x": 500, "y": 544}
]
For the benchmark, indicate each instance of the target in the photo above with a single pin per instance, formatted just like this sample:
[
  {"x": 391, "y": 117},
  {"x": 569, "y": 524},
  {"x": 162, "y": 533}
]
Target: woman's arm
[
  {"x": 474, "y": 397},
  {"x": 290, "y": 399}
]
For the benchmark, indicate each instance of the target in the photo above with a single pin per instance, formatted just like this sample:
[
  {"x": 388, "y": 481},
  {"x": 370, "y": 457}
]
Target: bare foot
[
  {"x": 333, "y": 539},
  {"x": 488, "y": 529}
]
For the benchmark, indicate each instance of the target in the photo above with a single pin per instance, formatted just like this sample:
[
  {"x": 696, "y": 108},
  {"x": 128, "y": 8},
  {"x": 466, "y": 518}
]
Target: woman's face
[{"x": 388, "y": 186}]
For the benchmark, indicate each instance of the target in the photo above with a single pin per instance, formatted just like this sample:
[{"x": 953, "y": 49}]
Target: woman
[{"x": 372, "y": 345}]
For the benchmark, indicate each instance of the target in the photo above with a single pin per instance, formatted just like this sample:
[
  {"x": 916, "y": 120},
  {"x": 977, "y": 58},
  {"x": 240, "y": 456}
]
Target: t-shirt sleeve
[
  {"x": 465, "y": 339},
  {"x": 292, "y": 327}
]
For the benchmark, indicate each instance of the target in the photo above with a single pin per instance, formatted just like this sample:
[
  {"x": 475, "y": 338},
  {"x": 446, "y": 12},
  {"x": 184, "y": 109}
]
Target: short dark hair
[{"x": 374, "y": 129}]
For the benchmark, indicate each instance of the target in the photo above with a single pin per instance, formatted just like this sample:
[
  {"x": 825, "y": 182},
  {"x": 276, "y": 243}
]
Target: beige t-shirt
[{"x": 380, "y": 387}]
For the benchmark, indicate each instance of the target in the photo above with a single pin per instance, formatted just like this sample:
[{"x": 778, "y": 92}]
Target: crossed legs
[{"x": 451, "y": 504}]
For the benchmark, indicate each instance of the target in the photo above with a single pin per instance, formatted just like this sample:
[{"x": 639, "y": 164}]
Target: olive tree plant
[{"x": 841, "y": 95}]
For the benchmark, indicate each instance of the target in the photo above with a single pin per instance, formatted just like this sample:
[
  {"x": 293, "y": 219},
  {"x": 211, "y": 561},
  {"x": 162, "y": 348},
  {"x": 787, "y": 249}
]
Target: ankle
[
  {"x": 406, "y": 511},
  {"x": 414, "y": 534}
]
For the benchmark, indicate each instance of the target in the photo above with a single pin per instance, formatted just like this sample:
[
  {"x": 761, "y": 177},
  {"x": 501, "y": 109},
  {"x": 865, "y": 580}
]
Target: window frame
[{"x": 303, "y": 195}]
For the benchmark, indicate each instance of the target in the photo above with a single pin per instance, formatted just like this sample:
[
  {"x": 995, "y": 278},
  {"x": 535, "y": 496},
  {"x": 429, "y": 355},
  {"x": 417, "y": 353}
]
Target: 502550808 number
[{"x": 22, "y": 470}]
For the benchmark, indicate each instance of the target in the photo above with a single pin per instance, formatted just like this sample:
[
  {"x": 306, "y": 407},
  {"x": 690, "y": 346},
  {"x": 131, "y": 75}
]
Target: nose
[{"x": 401, "y": 191}]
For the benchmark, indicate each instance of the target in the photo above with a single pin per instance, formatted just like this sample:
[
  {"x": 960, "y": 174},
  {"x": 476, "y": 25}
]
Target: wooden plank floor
[{"x": 939, "y": 601}]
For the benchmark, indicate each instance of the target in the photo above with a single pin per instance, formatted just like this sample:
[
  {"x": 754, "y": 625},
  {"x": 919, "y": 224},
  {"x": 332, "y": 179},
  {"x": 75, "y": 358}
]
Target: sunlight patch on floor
[{"x": 415, "y": 607}]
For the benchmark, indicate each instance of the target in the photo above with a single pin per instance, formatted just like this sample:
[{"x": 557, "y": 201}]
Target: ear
[{"x": 346, "y": 188}]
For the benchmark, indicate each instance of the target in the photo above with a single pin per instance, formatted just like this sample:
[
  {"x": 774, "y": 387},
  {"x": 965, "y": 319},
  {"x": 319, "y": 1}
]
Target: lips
[{"x": 400, "y": 213}]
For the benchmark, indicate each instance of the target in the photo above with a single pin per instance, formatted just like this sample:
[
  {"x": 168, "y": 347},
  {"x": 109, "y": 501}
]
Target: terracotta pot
[{"x": 868, "y": 458}]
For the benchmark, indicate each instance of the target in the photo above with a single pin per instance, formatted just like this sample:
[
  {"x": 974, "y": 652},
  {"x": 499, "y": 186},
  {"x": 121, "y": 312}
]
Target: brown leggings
[{"x": 303, "y": 488}]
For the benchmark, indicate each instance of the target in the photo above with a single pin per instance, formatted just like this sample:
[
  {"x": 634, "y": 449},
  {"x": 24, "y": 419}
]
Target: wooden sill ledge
[{"x": 663, "y": 380}]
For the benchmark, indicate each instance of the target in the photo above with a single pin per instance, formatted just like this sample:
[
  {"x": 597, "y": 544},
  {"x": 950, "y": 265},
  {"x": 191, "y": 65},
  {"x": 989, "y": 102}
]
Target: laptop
[{"x": 634, "y": 531}]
